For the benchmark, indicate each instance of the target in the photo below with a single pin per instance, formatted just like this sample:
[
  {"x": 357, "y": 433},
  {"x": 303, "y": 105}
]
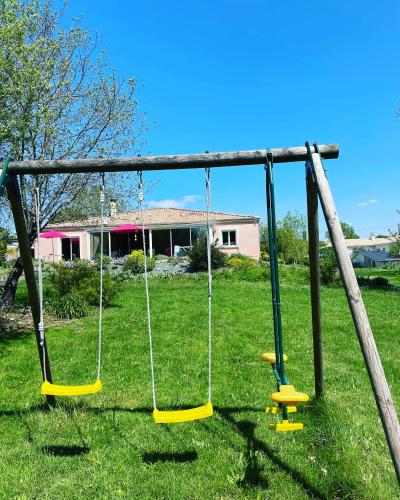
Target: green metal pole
[
  {"x": 275, "y": 272},
  {"x": 272, "y": 273}
]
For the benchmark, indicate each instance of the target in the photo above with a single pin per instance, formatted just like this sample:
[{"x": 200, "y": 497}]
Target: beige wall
[
  {"x": 247, "y": 239},
  {"x": 46, "y": 246}
]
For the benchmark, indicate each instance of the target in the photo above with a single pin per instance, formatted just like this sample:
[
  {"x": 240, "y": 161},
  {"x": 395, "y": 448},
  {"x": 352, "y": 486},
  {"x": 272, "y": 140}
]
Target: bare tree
[{"x": 58, "y": 99}]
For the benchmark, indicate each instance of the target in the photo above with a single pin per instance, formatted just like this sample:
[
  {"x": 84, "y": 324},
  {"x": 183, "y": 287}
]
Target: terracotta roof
[{"x": 162, "y": 216}]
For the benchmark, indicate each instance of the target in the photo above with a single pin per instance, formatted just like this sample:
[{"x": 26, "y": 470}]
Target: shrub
[
  {"x": 67, "y": 306},
  {"x": 81, "y": 278},
  {"x": 234, "y": 262},
  {"x": 135, "y": 262},
  {"x": 329, "y": 269},
  {"x": 107, "y": 262},
  {"x": 238, "y": 259},
  {"x": 198, "y": 255},
  {"x": 373, "y": 281}
]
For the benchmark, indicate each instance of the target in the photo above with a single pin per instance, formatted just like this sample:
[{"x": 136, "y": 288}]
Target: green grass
[
  {"x": 393, "y": 275},
  {"x": 107, "y": 446}
]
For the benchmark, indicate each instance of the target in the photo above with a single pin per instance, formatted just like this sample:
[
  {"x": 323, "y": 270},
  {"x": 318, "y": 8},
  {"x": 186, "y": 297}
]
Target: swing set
[{"x": 318, "y": 190}]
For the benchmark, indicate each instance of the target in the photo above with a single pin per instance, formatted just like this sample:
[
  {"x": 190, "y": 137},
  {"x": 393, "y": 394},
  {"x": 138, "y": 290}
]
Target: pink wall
[
  {"x": 46, "y": 246},
  {"x": 247, "y": 239}
]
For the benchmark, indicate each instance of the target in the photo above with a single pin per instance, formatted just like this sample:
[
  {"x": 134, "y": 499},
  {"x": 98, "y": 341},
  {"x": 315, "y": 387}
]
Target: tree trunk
[{"x": 8, "y": 296}]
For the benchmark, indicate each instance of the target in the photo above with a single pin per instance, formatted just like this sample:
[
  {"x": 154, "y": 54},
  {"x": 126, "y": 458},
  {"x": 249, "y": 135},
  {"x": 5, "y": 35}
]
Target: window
[
  {"x": 95, "y": 244},
  {"x": 229, "y": 238}
]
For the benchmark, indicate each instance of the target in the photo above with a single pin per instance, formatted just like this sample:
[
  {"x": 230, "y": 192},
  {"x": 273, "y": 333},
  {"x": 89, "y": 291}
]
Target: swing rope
[
  {"x": 48, "y": 388},
  {"x": 200, "y": 411},
  {"x": 40, "y": 277},
  {"x": 146, "y": 281},
  {"x": 100, "y": 334}
]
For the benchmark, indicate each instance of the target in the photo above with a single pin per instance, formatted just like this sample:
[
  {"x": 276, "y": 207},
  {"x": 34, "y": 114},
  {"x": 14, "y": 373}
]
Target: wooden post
[
  {"x": 14, "y": 197},
  {"x": 315, "y": 281},
  {"x": 372, "y": 360}
]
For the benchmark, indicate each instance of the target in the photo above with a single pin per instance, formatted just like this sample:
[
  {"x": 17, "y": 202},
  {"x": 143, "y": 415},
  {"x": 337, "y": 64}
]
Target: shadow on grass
[
  {"x": 10, "y": 333},
  {"x": 252, "y": 477},
  {"x": 324, "y": 430},
  {"x": 325, "y": 437},
  {"x": 177, "y": 457},
  {"x": 65, "y": 451},
  {"x": 253, "y": 473}
]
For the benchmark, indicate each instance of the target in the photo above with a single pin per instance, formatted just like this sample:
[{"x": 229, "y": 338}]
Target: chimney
[{"x": 113, "y": 208}]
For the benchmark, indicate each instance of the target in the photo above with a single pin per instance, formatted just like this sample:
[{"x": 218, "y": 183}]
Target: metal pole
[{"x": 14, "y": 197}]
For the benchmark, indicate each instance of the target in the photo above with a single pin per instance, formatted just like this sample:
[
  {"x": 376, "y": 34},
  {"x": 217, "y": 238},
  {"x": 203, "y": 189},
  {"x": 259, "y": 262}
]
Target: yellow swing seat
[
  {"x": 286, "y": 426},
  {"x": 270, "y": 357},
  {"x": 177, "y": 416},
  {"x": 48, "y": 389},
  {"x": 288, "y": 395}
]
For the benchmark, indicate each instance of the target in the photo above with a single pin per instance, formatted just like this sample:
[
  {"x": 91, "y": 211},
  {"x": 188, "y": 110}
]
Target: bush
[
  {"x": 67, "y": 306},
  {"x": 329, "y": 269},
  {"x": 135, "y": 262},
  {"x": 237, "y": 260},
  {"x": 81, "y": 278},
  {"x": 198, "y": 256},
  {"x": 107, "y": 262},
  {"x": 373, "y": 281}
]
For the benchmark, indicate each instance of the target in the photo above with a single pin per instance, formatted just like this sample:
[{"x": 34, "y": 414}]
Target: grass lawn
[
  {"x": 393, "y": 275},
  {"x": 106, "y": 445}
]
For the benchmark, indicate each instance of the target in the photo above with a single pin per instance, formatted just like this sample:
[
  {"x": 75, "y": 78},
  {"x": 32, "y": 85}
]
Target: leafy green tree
[
  {"x": 292, "y": 238},
  {"x": 348, "y": 231},
  {"x": 58, "y": 100},
  {"x": 4, "y": 240},
  {"x": 86, "y": 205},
  {"x": 395, "y": 248}
]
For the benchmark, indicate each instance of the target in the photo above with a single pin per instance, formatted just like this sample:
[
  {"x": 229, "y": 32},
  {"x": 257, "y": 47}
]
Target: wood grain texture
[
  {"x": 372, "y": 360},
  {"x": 14, "y": 197},
  {"x": 170, "y": 162},
  {"x": 315, "y": 282}
]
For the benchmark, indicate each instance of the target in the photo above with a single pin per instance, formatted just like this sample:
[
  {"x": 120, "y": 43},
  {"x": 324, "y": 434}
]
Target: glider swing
[
  {"x": 287, "y": 397},
  {"x": 199, "y": 412},
  {"x": 48, "y": 388}
]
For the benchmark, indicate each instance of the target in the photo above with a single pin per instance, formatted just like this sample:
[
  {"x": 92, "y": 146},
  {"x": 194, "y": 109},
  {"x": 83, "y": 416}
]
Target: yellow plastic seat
[
  {"x": 286, "y": 426},
  {"x": 48, "y": 389},
  {"x": 288, "y": 395},
  {"x": 275, "y": 410},
  {"x": 172, "y": 417},
  {"x": 270, "y": 357}
]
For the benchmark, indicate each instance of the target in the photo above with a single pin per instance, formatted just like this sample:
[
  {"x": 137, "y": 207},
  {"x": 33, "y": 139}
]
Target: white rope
[
  {"x": 146, "y": 280},
  {"x": 40, "y": 272},
  {"x": 100, "y": 335},
  {"x": 207, "y": 174}
]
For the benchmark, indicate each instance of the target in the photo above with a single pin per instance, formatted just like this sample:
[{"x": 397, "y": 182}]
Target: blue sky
[{"x": 226, "y": 75}]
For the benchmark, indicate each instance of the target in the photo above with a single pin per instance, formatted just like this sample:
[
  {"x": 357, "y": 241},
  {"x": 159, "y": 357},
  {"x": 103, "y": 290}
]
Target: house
[
  {"x": 370, "y": 243},
  {"x": 373, "y": 258},
  {"x": 168, "y": 231}
]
